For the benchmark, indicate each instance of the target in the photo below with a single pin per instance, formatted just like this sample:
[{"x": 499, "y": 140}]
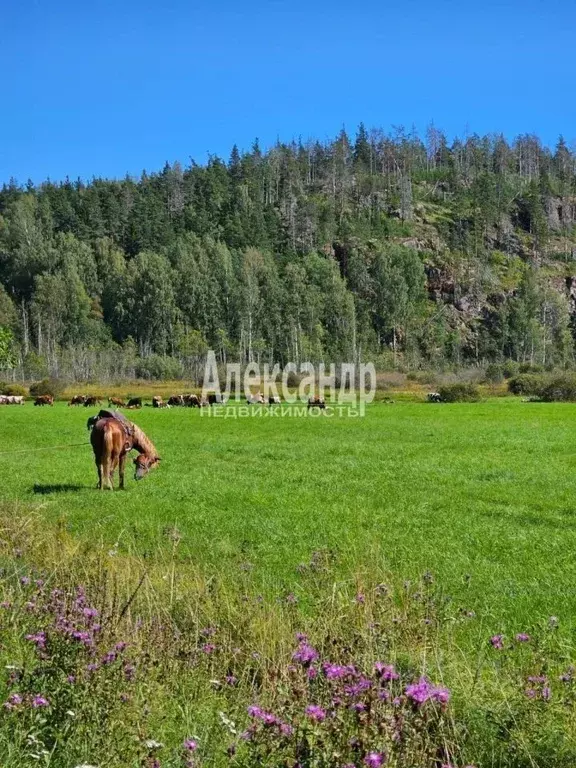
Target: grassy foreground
[{"x": 254, "y": 529}]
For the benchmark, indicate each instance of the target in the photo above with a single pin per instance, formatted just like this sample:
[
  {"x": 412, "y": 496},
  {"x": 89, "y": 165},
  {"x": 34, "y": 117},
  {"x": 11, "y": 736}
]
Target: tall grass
[{"x": 116, "y": 659}]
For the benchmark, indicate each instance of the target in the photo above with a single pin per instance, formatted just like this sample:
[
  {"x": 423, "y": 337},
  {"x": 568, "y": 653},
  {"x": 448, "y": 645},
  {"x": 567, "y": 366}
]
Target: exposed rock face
[{"x": 560, "y": 212}]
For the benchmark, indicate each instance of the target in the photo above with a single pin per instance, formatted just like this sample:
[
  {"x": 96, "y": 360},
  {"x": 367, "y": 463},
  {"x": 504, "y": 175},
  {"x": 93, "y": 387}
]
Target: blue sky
[{"x": 108, "y": 88}]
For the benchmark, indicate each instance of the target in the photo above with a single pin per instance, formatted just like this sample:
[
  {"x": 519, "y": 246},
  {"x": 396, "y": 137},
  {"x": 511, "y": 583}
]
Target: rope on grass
[{"x": 47, "y": 448}]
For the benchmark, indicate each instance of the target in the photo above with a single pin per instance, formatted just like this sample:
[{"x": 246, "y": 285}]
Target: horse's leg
[
  {"x": 121, "y": 464},
  {"x": 113, "y": 465},
  {"x": 99, "y": 468}
]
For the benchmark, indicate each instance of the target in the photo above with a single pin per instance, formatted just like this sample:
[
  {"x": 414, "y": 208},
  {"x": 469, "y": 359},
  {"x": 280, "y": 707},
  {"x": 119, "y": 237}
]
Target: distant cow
[
  {"x": 215, "y": 399},
  {"x": 273, "y": 400},
  {"x": 192, "y": 401},
  {"x": 176, "y": 400},
  {"x": 11, "y": 400},
  {"x": 91, "y": 400},
  {"x": 434, "y": 397},
  {"x": 157, "y": 402},
  {"x": 257, "y": 399},
  {"x": 78, "y": 400},
  {"x": 117, "y": 402},
  {"x": 316, "y": 402},
  {"x": 44, "y": 400},
  {"x": 135, "y": 402}
]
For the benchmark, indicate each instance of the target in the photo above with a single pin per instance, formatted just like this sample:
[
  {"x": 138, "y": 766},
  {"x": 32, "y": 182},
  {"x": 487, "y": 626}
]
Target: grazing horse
[{"x": 112, "y": 438}]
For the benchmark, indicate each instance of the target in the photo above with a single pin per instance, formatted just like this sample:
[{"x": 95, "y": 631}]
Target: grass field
[{"x": 481, "y": 496}]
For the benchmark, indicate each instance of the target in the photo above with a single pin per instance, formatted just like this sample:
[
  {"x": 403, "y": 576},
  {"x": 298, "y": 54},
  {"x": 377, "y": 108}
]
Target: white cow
[{"x": 257, "y": 399}]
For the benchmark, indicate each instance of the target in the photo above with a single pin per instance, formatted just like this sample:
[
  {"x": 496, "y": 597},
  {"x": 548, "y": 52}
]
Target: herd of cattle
[{"x": 190, "y": 401}]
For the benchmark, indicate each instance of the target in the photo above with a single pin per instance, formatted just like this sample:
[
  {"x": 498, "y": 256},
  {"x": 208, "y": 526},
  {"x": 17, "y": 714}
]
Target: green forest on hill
[{"x": 407, "y": 250}]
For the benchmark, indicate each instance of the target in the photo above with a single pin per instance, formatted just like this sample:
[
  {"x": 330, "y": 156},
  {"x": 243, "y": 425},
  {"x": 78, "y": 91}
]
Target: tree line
[{"x": 403, "y": 249}]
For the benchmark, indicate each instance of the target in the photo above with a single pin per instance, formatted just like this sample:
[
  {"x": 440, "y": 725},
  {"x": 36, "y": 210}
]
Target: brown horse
[{"x": 112, "y": 440}]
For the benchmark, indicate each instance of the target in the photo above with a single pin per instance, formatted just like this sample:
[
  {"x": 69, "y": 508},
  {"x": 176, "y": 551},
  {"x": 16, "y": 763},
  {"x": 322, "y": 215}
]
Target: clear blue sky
[{"x": 94, "y": 87}]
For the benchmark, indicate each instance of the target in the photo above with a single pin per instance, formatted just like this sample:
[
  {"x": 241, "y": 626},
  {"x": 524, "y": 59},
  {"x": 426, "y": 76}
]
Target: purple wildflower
[
  {"x": 190, "y": 745},
  {"x": 316, "y": 713},
  {"x": 522, "y": 637},
  {"x": 71, "y": 679},
  {"x": 530, "y": 693},
  {"x": 423, "y": 691},
  {"x": 386, "y": 671},
  {"x": 546, "y": 693},
  {"x": 337, "y": 671},
  {"x": 39, "y": 639},
  {"x": 208, "y": 648},
  {"x": 360, "y": 598},
  {"x": 40, "y": 701},
  {"x": 13, "y": 701},
  {"x": 25, "y": 580},
  {"x": 305, "y": 654},
  {"x": 286, "y": 729},
  {"x": 496, "y": 642},
  {"x": 231, "y": 680},
  {"x": 374, "y": 759}
]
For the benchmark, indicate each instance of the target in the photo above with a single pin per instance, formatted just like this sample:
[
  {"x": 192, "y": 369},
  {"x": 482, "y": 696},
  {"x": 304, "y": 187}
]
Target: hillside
[{"x": 408, "y": 251}]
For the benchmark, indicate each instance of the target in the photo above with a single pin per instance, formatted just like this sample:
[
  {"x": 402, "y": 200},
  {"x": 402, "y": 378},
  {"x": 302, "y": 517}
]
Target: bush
[
  {"x": 530, "y": 368},
  {"x": 510, "y": 368},
  {"x": 559, "y": 389},
  {"x": 159, "y": 368},
  {"x": 530, "y": 384},
  {"x": 54, "y": 387},
  {"x": 14, "y": 389},
  {"x": 494, "y": 373},
  {"x": 422, "y": 377},
  {"x": 459, "y": 393}
]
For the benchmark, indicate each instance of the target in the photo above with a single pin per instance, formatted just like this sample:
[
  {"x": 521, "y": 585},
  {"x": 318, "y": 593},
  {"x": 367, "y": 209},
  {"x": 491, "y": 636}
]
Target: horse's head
[{"x": 143, "y": 464}]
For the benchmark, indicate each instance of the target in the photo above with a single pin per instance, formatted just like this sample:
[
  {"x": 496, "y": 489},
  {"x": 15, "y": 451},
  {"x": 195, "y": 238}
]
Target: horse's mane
[{"x": 142, "y": 443}]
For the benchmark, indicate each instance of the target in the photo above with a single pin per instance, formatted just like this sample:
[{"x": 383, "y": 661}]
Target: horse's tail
[{"x": 107, "y": 453}]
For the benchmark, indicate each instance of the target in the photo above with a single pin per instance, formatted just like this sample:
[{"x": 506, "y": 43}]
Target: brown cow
[
  {"x": 44, "y": 400},
  {"x": 176, "y": 400},
  {"x": 117, "y": 402},
  {"x": 91, "y": 400},
  {"x": 192, "y": 401},
  {"x": 78, "y": 400},
  {"x": 135, "y": 402},
  {"x": 316, "y": 402}
]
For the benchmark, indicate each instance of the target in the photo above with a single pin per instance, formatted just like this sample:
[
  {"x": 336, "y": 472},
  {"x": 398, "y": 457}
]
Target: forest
[{"x": 408, "y": 250}]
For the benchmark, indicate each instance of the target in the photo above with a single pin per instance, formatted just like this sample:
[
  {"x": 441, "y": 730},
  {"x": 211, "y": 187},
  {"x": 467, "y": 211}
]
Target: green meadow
[
  {"x": 481, "y": 495},
  {"x": 264, "y": 525}
]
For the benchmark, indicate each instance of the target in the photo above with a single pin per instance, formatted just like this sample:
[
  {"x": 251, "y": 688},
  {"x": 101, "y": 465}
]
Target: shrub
[
  {"x": 422, "y": 377},
  {"x": 460, "y": 392},
  {"x": 14, "y": 389},
  {"x": 494, "y": 373},
  {"x": 293, "y": 380},
  {"x": 530, "y": 368},
  {"x": 559, "y": 389},
  {"x": 157, "y": 368},
  {"x": 54, "y": 387},
  {"x": 530, "y": 384},
  {"x": 510, "y": 368}
]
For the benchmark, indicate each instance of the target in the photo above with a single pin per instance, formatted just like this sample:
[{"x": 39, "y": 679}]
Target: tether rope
[{"x": 47, "y": 448}]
